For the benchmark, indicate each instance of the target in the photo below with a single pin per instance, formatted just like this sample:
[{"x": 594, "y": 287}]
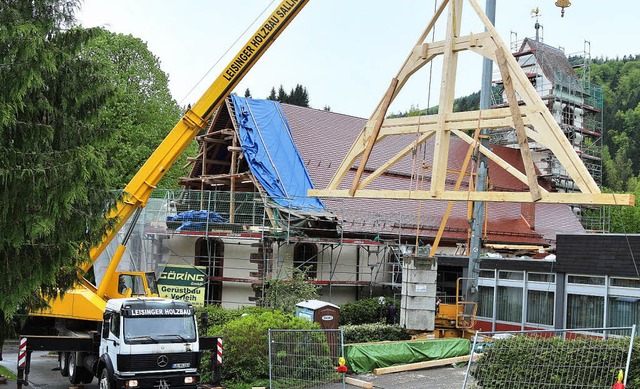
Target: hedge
[
  {"x": 521, "y": 359},
  {"x": 367, "y": 311},
  {"x": 373, "y": 332}
]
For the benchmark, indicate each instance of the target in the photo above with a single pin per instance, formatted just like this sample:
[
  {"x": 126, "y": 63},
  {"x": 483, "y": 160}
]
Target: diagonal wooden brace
[{"x": 518, "y": 123}]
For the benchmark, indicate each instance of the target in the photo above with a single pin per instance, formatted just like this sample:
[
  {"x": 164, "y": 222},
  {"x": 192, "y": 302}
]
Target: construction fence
[
  {"x": 569, "y": 358},
  {"x": 305, "y": 358}
]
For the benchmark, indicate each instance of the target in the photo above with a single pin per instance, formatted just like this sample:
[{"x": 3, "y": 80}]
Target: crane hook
[{"x": 563, "y": 4}]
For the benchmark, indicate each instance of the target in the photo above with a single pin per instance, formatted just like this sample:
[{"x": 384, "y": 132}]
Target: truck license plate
[{"x": 180, "y": 365}]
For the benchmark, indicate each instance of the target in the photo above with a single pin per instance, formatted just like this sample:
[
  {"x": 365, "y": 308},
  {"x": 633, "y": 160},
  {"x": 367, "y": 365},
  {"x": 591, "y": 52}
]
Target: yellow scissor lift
[{"x": 456, "y": 319}]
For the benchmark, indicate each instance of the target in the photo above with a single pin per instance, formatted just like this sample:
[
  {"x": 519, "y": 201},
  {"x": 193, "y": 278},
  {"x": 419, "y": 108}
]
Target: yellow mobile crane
[
  {"x": 136, "y": 344},
  {"x": 87, "y": 301}
]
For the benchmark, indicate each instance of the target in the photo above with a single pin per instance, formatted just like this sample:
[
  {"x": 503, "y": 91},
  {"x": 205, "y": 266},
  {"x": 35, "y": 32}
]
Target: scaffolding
[
  {"x": 562, "y": 81},
  {"x": 244, "y": 245}
]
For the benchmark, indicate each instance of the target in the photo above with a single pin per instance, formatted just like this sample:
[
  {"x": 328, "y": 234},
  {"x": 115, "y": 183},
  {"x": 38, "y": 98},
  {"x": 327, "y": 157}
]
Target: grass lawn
[{"x": 7, "y": 373}]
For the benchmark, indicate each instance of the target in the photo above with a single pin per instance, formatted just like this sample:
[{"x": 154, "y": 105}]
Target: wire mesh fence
[
  {"x": 570, "y": 358},
  {"x": 305, "y": 358}
]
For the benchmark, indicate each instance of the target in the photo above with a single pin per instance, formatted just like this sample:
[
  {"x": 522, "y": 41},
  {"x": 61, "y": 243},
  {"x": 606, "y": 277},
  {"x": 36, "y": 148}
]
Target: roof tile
[{"x": 324, "y": 138}]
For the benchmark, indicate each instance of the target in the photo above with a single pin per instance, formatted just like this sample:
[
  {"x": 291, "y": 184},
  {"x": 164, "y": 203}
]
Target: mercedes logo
[{"x": 163, "y": 360}]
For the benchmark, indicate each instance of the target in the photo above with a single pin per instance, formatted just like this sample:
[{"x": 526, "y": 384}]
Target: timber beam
[{"x": 515, "y": 197}]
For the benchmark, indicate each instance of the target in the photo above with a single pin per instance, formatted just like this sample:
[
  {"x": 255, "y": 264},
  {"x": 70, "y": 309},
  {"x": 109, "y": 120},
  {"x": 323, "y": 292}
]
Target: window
[
  {"x": 584, "y": 311},
  {"x": 541, "y": 277},
  {"x": 540, "y": 306},
  {"x": 114, "y": 324},
  {"x": 567, "y": 116},
  {"x": 625, "y": 282},
  {"x": 586, "y": 280},
  {"x": 305, "y": 257},
  {"x": 511, "y": 275},
  {"x": 487, "y": 274},
  {"x": 624, "y": 311},
  {"x": 171, "y": 329},
  {"x": 509, "y": 305},
  {"x": 485, "y": 301},
  {"x": 106, "y": 323},
  {"x": 151, "y": 282},
  {"x": 132, "y": 282}
]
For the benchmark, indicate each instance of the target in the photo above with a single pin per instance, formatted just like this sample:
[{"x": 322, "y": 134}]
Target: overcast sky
[{"x": 345, "y": 52}]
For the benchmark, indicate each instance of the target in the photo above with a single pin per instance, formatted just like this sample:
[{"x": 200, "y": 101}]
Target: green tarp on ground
[{"x": 364, "y": 357}]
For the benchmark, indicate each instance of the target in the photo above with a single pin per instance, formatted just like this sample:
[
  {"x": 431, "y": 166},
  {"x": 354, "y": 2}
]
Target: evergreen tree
[
  {"x": 299, "y": 96},
  {"x": 52, "y": 160},
  {"x": 282, "y": 95},
  {"x": 272, "y": 95},
  {"x": 247, "y": 93}
]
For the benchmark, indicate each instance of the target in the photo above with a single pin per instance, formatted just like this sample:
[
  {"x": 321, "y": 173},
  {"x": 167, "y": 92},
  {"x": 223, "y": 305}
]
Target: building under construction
[
  {"x": 576, "y": 104},
  {"x": 227, "y": 225}
]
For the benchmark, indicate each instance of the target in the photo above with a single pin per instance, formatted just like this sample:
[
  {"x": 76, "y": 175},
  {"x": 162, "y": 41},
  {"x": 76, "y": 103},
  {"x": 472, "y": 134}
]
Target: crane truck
[{"x": 119, "y": 330}]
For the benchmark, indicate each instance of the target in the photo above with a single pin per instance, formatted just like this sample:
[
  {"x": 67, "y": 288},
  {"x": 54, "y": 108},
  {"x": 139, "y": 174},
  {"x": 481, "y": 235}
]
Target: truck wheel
[
  {"x": 105, "y": 381},
  {"x": 63, "y": 363},
  {"x": 78, "y": 374},
  {"x": 72, "y": 368},
  {"x": 85, "y": 375}
]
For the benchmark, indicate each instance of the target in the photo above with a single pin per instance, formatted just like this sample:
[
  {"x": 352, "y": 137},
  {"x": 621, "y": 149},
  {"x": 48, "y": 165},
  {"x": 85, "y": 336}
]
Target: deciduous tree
[{"x": 141, "y": 112}]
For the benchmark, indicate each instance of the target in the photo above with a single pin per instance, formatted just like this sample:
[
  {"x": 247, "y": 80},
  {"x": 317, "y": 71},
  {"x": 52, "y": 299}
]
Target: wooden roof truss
[{"x": 531, "y": 120}]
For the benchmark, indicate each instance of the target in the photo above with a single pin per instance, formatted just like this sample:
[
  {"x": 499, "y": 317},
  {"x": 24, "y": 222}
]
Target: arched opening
[
  {"x": 305, "y": 257},
  {"x": 210, "y": 254}
]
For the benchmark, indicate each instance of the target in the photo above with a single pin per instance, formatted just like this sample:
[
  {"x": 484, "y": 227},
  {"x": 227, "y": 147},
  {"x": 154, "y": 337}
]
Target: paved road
[
  {"x": 447, "y": 377},
  {"x": 44, "y": 376},
  {"x": 42, "y": 373}
]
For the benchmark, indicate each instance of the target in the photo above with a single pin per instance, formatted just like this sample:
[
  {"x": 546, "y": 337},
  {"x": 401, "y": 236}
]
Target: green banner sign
[{"x": 184, "y": 283}]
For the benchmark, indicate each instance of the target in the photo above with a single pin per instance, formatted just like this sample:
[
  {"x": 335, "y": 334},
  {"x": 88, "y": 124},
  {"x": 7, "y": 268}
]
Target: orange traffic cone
[{"x": 619, "y": 384}]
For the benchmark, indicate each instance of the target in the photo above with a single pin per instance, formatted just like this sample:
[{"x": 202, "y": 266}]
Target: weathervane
[{"x": 535, "y": 13}]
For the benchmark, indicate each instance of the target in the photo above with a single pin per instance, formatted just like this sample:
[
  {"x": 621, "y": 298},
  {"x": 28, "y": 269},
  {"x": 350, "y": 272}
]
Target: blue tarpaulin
[
  {"x": 268, "y": 146},
  {"x": 194, "y": 220}
]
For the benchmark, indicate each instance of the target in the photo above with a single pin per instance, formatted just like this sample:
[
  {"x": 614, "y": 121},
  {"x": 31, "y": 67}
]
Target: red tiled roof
[
  {"x": 552, "y": 60},
  {"x": 324, "y": 138}
]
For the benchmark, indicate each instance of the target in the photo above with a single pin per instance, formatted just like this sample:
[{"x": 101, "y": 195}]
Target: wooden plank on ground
[
  {"x": 358, "y": 383},
  {"x": 423, "y": 365}
]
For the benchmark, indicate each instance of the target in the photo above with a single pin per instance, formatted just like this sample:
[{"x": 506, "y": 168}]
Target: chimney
[{"x": 528, "y": 213}]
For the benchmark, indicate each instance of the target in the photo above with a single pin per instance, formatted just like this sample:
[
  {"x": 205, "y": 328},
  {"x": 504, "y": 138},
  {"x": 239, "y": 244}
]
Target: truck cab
[
  {"x": 133, "y": 283},
  {"x": 148, "y": 342}
]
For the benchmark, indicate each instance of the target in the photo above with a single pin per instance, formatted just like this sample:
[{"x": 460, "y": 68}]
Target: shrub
[
  {"x": 217, "y": 317},
  {"x": 284, "y": 294},
  {"x": 373, "y": 332},
  {"x": 307, "y": 352},
  {"x": 367, "y": 311},
  {"x": 246, "y": 345}
]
